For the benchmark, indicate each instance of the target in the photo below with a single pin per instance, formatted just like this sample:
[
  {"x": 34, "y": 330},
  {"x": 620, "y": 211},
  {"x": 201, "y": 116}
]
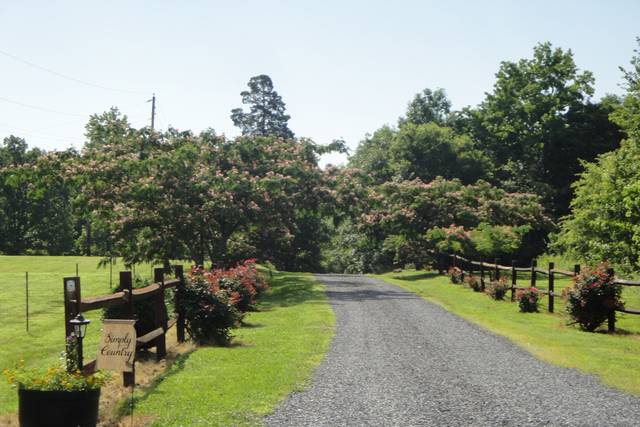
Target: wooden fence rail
[
  {"x": 467, "y": 266},
  {"x": 75, "y": 304}
]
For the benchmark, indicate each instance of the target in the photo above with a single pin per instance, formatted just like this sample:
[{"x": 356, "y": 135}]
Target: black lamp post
[{"x": 79, "y": 324}]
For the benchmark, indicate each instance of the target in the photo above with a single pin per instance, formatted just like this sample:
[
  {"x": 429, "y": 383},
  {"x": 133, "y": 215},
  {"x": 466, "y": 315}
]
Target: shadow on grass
[
  {"x": 286, "y": 290},
  {"x": 415, "y": 277},
  {"x": 251, "y": 325},
  {"x": 291, "y": 289},
  {"x": 126, "y": 406}
]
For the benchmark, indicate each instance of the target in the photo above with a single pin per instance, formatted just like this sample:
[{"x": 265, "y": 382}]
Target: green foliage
[
  {"x": 427, "y": 151},
  {"x": 209, "y": 313},
  {"x": 605, "y": 213},
  {"x": 627, "y": 115},
  {"x": 593, "y": 297},
  {"x": 205, "y": 197},
  {"x": 35, "y": 200},
  {"x": 438, "y": 215},
  {"x": 351, "y": 251},
  {"x": 428, "y": 106},
  {"x": 450, "y": 240},
  {"x": 266, "y": 116},
  {"x": 424, "y": 151},
  {"x": 605, "y": 216},
  {"x": 498, "y": 241},
  {"x": 538, "y": 123},
  {"x": 528, "y": 300}
]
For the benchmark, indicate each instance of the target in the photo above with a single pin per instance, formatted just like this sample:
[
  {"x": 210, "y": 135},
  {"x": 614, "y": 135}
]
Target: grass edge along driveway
[
  {"x": 614, "y": 359},
  {"x": 273, "y": 355}
]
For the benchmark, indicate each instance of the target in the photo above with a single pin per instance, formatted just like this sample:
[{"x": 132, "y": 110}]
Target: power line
[
  {"x": 35, "y": 107},
  {"x": 64, "y": 76},
  {"x": 19, "y": 131}
]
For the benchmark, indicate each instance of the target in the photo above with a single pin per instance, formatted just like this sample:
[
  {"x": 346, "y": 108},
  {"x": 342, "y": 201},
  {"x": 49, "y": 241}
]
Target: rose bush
[
  {"x": 528, "y": 300},
  {"x": 592, "y": 297},
  {"x": 473, "y": 282},
  {"x": 456, "y": 275},
  {"x": 497, "y": 289}
]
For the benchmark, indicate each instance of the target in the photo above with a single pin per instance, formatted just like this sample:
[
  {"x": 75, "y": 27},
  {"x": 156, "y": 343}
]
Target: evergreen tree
[{"x": 266, "y": 116}]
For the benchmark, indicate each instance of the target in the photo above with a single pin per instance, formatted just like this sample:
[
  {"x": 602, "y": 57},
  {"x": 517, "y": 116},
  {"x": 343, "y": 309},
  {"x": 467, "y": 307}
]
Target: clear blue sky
[{"x": 344, "y": 68}]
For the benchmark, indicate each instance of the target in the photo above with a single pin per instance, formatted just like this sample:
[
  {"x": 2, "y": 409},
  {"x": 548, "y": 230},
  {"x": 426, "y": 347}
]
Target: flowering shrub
[
  {"x": 455, "y": 274},
  {"x": 209, "y": 309},
  {"x": 528, "y": 300},
  {"x": 497, "y": 289},
  {"x": 473, "y": 282},
  {"x": 592, "y": 297},
  {"x": 54, "y": 379},
  {"x": 243, "y": 283}
]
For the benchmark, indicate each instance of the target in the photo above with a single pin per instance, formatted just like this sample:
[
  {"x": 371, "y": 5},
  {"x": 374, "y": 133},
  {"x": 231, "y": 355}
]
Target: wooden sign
[{"x": 117, "y": 350}]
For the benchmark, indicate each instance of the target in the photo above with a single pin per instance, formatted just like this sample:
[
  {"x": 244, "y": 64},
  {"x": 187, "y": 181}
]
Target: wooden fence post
[
  {"x": 576, "y": 269},
  {"x": 551, "y": 286},
  {"x": 72, "y": 298},
  {"x": 611, "y": 318},
  {"x": 454, "y": 259},
  {"x": 534, "y": 264},
  {"x": 496, "y": 274},
  {"x": 71, "y": 302},
  {"x": 160, "y": 314},
  {"x": 482, "y": 275},
  {"x": 26, "y": 294},
  {"x": 514, "y": 279},
  {"x": 126, "y": 285},
  {"x": 179, "y": 272}
]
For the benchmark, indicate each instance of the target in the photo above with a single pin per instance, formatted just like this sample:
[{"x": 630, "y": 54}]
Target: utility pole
[{"x": 153, "y": 111}]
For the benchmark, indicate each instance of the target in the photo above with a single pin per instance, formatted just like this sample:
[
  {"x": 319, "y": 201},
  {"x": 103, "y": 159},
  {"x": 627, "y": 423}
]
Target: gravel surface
[{"x": 399, "y": 360}]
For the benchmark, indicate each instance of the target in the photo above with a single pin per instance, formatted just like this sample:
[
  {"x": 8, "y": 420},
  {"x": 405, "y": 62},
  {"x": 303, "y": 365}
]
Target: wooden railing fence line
[
  {"x": 74, "y": 304},
  {"x": 469, "y": 266}
]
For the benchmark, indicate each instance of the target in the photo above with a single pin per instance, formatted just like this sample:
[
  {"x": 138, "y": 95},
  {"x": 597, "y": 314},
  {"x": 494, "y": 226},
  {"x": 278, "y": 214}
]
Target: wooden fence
[
  {"x": 493, "y": 272},
  {"x": 75, "y": 304}
]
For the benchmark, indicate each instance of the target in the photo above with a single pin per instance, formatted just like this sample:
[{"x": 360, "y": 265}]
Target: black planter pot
[{"x": 58, "y": 408}]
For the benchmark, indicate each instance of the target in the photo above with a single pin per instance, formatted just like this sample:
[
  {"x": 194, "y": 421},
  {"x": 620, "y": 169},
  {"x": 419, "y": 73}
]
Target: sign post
[{"x": 117, "y": 350}]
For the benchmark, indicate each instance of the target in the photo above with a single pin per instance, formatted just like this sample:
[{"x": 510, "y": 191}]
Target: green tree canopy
[
  {"x": 428, "y": 106},
  {"x": 604, "y": 223},
  {"x": 538, "y": 123},
  {"x": 266, "y": 115}
]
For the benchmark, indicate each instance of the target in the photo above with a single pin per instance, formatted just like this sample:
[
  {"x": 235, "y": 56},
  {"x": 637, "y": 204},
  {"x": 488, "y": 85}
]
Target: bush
[
  {"x": 497, "y": 289},
  {"x": 593, "y": 297},
  {"x": 209, "y": 310},
  {"x": 243, "y": 283},
  {"x": 528, "y": 300},
  {"x": 455, "y": 274},
  {"x": 473, "y": 282}
]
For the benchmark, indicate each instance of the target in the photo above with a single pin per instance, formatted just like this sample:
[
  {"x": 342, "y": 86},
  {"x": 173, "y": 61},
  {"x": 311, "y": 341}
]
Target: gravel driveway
[{"x": 398, "y": 360}]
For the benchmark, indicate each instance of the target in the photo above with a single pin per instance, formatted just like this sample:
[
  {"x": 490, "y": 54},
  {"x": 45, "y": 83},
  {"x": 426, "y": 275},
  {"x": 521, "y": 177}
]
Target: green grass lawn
[
  {"x": 42, "y": 345},
  {"x": 272, "y": 356},
  {"x": 615, "y": 359}
]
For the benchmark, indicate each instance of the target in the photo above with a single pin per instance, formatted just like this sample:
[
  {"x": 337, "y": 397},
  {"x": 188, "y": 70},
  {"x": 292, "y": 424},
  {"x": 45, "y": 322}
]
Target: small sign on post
[{"x": 117, "y": 350}]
